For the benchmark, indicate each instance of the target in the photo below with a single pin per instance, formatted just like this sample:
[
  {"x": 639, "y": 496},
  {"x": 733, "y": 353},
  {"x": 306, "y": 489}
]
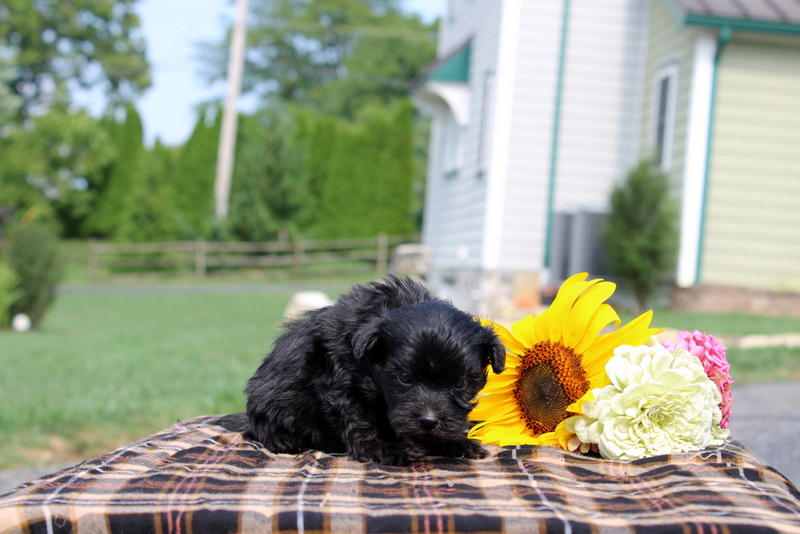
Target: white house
[
  {"x": 539, "y": 107},
  {"x": 543, "y": 120}
]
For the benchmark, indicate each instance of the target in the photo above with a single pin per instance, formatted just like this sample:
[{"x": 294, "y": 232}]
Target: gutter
[{"x": 745, "y": 25}]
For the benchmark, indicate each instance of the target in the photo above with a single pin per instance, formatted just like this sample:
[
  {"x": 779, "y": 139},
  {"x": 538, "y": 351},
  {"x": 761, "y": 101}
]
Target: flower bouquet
[{"x": 621, "y": 394}]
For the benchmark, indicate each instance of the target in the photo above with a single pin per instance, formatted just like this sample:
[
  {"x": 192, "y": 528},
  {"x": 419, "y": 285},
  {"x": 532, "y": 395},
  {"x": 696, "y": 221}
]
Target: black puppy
[{"x": 385, "y": 374}]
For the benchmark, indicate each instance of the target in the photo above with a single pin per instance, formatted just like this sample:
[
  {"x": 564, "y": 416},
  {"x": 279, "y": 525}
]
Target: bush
[
  {"x": 32, "y": 252},
  {"x": 8, "y": 292},
  {"x": 360, "y": 175},
  {"x": 640, "y": 235}
]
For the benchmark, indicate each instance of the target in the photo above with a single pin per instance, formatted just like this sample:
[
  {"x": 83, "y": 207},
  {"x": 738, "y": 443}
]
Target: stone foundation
[
  {"x": 721, "y": 299},
  {"x": 502, "y": 296}
]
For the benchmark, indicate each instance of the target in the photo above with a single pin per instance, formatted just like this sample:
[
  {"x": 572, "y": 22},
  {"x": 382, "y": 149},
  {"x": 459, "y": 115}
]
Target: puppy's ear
[
  {"x": 494, "y": 354},
  {"x": 366, "y": 338}
]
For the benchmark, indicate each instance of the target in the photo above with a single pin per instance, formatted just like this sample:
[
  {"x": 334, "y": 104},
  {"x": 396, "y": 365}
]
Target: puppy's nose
[{"x": 428, "y": 421}]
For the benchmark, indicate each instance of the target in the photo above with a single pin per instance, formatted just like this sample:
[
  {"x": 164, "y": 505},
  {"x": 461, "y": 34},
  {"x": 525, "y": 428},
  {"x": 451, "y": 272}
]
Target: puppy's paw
[
  {"x": 467, "y": 448},
  {"x": 381, "y": 452}
]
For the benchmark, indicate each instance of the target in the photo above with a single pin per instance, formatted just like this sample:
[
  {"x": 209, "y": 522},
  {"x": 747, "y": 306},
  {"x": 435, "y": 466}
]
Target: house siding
[
  {"x": 600, "y": 122},
  {"x": 753, "y": 205},
  {"x": 455, "y": 205},
  {"x": 670, "y": 43},
  {"x": 528, "y": 149}
]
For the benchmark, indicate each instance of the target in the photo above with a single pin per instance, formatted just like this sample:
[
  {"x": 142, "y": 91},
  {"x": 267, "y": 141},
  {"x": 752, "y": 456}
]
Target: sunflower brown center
[{"x": 550, "y": 379}]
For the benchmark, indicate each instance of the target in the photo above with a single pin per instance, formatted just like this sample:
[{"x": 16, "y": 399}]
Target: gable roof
[{"x": 770, "y": 16}]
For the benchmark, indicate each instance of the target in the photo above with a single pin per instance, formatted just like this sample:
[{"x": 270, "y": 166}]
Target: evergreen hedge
[
  {"x": 123, "y": 184},
  {"x": 191, "y": 187},
  {"x": 360, "y": 175}
]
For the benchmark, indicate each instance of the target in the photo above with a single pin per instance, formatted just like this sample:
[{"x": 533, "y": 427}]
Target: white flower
[{"x": 658, "y": 402}]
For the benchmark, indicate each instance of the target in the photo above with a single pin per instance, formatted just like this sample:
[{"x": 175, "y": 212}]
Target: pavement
[{"x": 763, "y": 419}]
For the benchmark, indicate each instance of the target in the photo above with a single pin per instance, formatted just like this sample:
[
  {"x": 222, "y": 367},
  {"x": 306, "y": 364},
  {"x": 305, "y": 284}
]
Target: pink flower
[{"x": 712, "y": 354}]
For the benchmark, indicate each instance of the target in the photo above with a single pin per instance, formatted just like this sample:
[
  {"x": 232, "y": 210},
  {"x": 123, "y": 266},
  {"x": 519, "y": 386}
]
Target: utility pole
[{"x": 227, "y": 137}]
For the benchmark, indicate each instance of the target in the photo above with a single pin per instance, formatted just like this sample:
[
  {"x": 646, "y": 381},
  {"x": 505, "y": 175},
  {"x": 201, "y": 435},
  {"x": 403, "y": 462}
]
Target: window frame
[{"x": 664, "y": 111}]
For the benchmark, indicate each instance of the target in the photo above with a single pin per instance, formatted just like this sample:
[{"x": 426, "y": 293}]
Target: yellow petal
[
  {"x": 509, "y": 426},
  {"x": 566, "y": 297},
  {"x": 542, "y": 326},
  {"x": 584, "y": 310},
  {"x": 512, "y": 360},
  {"x": 549, "y": 438},
  {"x": 577, "y": 406},
  {"x": 633, "y": 333},
  {"x": 520, "y": 439},
  {"x": 604, "y": 316},
  {"x": 511, "y": 343},
  {"x": 493, "y": 410},
  {"x": 510, "y": 419},
  {"x": 500, "y": 383},
  {"x": 597, "y": 377},
  {"x": 525, "y": 330},
  {"x": 562, "y": 435}
]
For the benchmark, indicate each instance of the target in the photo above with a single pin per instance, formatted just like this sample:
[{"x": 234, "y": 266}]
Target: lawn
[{"x": 109, "y": 368}]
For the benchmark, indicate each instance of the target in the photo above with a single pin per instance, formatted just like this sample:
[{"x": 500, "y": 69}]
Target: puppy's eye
[
  {"x": 461, "y": 384},
  {"x": 404, "y": 378}
]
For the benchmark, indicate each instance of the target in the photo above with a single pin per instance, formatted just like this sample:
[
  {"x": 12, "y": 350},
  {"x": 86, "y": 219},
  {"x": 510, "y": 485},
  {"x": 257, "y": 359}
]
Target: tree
[
  {"x": 150, "y": 213},
  {"x": 346, "y": 65},
  {"x": 640, "y": 235},
  {"x": 333, "y": 55},
  {"x": 268, "y": 187},
  {"x": 55, "y": 45},
  {"x": 191, "y": 188},
  {"x": 56, "y": 162},
  {"x": 10, "y": 103},
  {"x": 125, "y": 176},
  {"x": 363, "y": 177}
]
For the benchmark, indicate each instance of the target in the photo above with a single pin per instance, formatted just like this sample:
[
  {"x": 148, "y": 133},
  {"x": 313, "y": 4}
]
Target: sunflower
[{"x": 552, "y": 361}]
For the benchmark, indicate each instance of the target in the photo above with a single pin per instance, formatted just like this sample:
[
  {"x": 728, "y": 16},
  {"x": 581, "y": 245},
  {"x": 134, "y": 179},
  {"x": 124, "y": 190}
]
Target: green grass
[
  {"x": 109, "y": 368},
  {"x": 727, "y": 324}
]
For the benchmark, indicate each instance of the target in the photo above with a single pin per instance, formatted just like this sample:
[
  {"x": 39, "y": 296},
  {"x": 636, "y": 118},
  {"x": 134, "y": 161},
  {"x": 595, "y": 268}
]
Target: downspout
[
  {"x": 723, "y": 39},
  {"x": 551, "y": 186}
]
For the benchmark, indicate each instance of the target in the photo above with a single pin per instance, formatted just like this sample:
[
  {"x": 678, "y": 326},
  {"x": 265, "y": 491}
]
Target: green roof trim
[
  {"x": 748, "y": 25},
  {"x": 453, "y": 67}
]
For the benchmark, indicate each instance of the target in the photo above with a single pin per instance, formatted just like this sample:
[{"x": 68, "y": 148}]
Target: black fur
[{"x": 385, "y": 374}]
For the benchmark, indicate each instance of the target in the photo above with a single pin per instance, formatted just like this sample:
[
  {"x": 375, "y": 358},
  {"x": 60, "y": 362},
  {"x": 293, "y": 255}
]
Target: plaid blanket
[{"x": 197, "y": 477}]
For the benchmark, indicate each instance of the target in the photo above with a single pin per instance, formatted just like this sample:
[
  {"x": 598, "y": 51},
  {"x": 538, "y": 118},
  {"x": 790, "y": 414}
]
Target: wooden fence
[{"x": 204, "y": 255}]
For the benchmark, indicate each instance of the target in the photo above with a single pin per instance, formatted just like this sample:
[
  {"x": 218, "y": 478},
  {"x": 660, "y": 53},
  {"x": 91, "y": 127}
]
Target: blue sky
[{"x": 171, "y": 28}]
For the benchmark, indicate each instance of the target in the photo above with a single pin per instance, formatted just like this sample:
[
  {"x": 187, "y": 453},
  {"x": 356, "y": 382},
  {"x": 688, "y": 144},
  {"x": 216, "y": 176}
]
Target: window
[
  {"x": 452, "y": 145},
  {"x": 666, "y": 92}
]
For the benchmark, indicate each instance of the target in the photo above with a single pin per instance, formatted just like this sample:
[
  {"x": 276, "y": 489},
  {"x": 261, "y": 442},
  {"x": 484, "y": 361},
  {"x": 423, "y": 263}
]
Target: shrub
[
  {"x": 8, "y": 292},
  {"x": 32, "y": 252},
  {"x": 639, "y": 234}
]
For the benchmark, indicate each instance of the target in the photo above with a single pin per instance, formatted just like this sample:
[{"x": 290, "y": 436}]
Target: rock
[{"x": 304, "y": 301}]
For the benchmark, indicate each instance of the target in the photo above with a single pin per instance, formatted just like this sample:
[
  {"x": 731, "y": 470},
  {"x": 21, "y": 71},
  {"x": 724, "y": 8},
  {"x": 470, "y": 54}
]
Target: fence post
[
  {"x": 297, "y": 264},
  {"x": 200, "y": 258},
  {"x": 92, "y": 259},
  {"x": 382, "y": 260}
]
